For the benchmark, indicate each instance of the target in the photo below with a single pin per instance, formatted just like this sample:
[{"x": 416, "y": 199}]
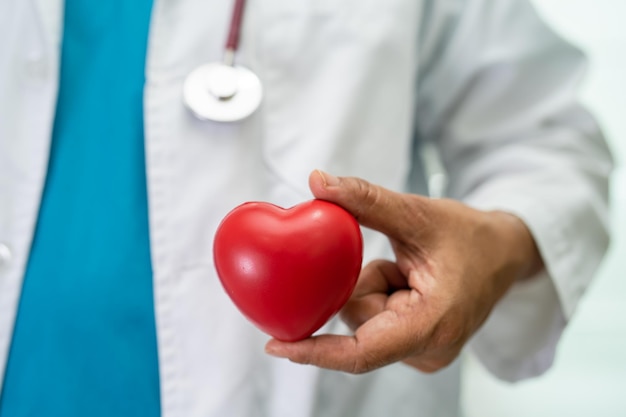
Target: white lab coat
[{"x": 352, "y": 87}]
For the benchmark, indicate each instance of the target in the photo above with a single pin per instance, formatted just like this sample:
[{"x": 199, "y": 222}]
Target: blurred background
[{"x": 589, "y": 376}]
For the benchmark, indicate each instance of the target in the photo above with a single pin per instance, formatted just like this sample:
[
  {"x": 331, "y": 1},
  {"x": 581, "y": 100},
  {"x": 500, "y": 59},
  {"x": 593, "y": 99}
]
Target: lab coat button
[{"x": 5, "y": 255}]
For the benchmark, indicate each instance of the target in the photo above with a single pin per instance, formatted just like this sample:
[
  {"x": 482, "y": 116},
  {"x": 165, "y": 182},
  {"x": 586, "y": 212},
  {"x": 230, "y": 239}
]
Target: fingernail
[
  {"x": 272, "y": 350},
  {"x": 329, "y": 180}
]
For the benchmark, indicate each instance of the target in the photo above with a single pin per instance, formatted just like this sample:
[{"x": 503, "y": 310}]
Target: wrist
[{"x": 521, "y": 250}]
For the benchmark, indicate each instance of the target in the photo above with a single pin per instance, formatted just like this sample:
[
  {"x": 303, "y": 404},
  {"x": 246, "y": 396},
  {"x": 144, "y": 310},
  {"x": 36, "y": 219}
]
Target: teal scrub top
[{"x": 84, "y": 342}]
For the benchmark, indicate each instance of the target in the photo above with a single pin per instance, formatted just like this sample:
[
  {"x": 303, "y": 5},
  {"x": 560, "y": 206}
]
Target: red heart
[{"x": 288, "y": 271}]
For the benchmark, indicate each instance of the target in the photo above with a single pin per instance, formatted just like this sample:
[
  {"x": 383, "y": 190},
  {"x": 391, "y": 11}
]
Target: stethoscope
[{"x": 223, "y": 91}]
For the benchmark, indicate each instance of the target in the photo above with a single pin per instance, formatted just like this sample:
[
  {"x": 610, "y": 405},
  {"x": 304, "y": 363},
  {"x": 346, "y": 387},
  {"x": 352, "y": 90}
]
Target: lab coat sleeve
[{"x": 497, "y": 96}]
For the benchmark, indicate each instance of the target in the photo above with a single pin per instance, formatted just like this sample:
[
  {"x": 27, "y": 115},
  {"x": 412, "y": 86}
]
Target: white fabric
[{"x": 352, "y": 87}]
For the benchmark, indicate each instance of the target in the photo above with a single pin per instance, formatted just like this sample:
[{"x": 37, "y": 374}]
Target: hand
[{"x": 453, "y": 263}]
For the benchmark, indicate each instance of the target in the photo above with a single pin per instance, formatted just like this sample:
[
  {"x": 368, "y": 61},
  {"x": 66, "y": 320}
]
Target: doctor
[{"x": 111, "y": 190}]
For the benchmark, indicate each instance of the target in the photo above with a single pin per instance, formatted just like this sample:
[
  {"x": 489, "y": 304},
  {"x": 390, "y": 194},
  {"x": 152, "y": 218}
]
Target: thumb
[{"x": 373, "y": 206}]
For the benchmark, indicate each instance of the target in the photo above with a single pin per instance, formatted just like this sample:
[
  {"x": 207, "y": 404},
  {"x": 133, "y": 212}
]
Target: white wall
[{"x": 589, "y": 377}]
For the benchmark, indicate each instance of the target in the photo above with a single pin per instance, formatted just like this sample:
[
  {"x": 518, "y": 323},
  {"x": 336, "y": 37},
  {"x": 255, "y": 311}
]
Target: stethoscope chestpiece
[{"x": 222, "y": 93}]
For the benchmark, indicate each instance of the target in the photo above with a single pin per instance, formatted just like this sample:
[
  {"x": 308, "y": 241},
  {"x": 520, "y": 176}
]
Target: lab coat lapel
[{"x": 50, "y": 21}]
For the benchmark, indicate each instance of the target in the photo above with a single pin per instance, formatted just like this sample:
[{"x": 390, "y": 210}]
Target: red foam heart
[{"x": 288, "y": 270}]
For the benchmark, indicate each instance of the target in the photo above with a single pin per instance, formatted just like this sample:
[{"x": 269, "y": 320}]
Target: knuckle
[
  {"x": 302, "y": 359},
  {"x": 312, "y": 356},
  {"x": 368, "y": 194},
  {"x": 364, "y": 362},
  {"x": 358, "y": 368},
  {"x": 363, "y": 365}
]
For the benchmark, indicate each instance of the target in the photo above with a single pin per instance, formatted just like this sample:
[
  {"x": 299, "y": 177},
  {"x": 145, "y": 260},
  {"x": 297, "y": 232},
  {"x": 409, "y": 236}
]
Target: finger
[
  {"x": 373, "y": 206},
  {"x": 383, "y": 340},
  {"x": 379, "y": 276},
  {"x": 359, "y": 310},
  {"x": 377, "y": 280},
  {"x": 339, "y": 353}
]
